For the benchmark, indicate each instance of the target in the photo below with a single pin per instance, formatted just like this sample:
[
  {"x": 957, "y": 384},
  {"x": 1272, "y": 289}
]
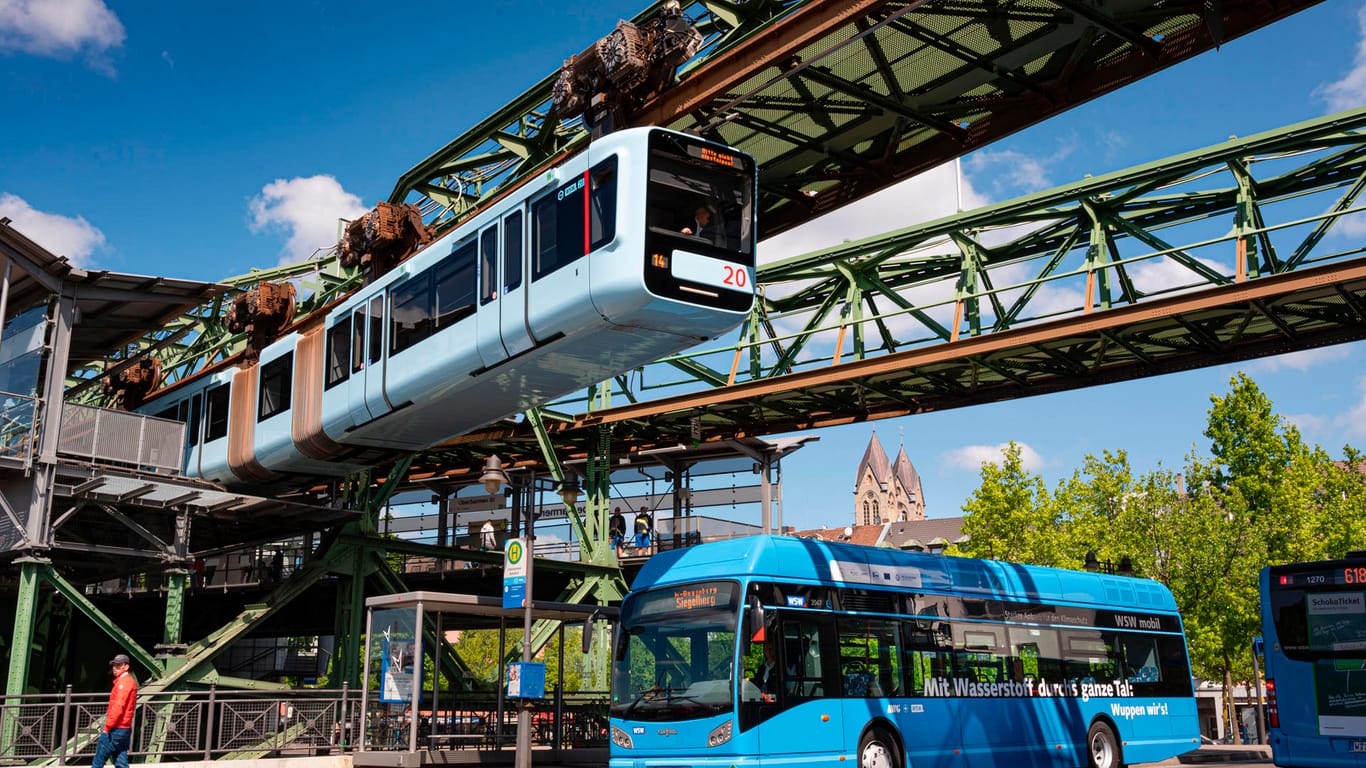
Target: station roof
[
  {"x": 113, "y": 309},
  {"x": 486, "y": 607}
]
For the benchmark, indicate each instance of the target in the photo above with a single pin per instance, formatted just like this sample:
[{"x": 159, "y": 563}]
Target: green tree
[{"x": 1011, "y": 516}]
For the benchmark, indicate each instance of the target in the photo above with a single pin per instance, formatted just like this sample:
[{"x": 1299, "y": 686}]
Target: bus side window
[
  {"x": 927, "y": 664},
  {"x": 869, "y": 661},
  {"x": 979, "y": 653},
  {"x": 1034, "y": 654}
]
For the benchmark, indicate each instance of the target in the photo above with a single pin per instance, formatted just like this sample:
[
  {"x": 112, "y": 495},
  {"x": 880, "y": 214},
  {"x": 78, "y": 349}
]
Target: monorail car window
[
  {"x": 358, "y": 339},
  {"x": 604, "y": 203},
  {"x": 455, "y": 286},
  {"x": 410, "y": 312},
  {"x": 376, "y": 329},
  {"x": 512, "y": 251},
  {"x": 216, "y": 418},
  {"x": 166, "y": 413},
  {"x": 196, "y": 412},
  {"x": 338, "y": 353},
  {"x": 557, "y": 220},
  {"x": 488, "y": 265},
  {"x": 275, "y": 378}
]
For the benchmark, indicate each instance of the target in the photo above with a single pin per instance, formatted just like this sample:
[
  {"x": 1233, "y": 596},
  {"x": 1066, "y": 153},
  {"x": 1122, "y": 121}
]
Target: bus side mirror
[{"x": 756, "y": 620}]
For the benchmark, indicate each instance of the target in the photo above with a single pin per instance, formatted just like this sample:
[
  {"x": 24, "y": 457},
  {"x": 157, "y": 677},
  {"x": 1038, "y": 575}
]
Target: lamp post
[
  {"x": 1093, "y": 565},
  {"x": 494, "y": 477}
]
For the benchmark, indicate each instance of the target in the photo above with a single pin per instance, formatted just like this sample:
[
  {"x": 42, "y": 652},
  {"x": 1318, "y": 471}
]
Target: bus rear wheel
[
  {"x": 1102, "y": 746},
  {"x": 877, "y": 750}
]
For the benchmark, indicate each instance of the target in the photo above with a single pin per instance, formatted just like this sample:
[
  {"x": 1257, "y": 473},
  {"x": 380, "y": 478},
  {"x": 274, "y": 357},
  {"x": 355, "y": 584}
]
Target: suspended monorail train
[{"x": 589, "y": 270}]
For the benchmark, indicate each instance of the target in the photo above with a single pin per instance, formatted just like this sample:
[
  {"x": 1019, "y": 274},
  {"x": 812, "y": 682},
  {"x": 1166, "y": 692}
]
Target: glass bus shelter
[{"x": 411, "y": 716}]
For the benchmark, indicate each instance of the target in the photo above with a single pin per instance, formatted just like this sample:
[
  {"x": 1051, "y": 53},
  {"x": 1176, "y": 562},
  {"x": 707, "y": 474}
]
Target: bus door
[
  {"x": 515, "y": 301},
  {"x": 488, "y": 338},
  {"x": 929, "y": 715},
  {"x": 1000, "y": 726},
  {"x": 812, "y": 717}
]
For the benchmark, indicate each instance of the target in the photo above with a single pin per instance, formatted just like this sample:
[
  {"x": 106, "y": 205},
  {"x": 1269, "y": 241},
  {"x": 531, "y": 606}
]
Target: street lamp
[
  {"x": 1093, "y": 565},
  {"x": 494, "y": 477}
]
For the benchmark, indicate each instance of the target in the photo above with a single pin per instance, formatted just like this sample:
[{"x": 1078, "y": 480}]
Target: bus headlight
[
  {"x": 719, "y": 735},
  {"x": 620, "y": 738}
]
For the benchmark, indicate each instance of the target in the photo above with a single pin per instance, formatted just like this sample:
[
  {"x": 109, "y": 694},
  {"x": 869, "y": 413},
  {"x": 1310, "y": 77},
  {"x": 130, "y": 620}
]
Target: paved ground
[{"x": 1223, "y": 756}]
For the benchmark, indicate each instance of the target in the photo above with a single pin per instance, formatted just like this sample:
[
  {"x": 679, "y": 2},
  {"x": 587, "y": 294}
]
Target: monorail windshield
[
  {"x": 701, "y": 217},
  {"x": 674, "y": 653}
]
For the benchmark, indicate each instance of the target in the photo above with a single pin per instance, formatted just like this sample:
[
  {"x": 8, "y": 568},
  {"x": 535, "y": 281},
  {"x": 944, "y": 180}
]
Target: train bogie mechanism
[
  {"x": 128, "y": 388},
  {"x": 382, "y": 238},
  {"x": 261, "y": 313},
  {"x": 626, "y": 68}
]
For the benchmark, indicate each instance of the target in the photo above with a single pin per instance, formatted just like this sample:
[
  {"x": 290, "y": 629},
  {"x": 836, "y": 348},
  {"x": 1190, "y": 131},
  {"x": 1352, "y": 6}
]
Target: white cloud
[
  {"x": 974, "y": 456},
  {"x": 1300, "y": 361},
  {"x": 1353, "y": 422},
  {"x": 307, "y": 209},
  {"x": 1349, "y": 92},
  {"x": 928, "y": 196},
  {"x": 61, "y": 29},
  {"x": 1015, "y": 173},
  {"x": 74, "y": 238}
]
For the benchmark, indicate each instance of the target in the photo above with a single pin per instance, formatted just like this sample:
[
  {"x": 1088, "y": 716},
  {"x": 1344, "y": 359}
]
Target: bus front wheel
[
  {"x": 1103, "y": 746},
  {"x": 877, "y": 750}
]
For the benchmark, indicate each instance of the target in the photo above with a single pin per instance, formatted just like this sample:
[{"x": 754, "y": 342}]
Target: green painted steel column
[
  {"x": 172, "y": 637},
  {"x": 25, "y": 609}
]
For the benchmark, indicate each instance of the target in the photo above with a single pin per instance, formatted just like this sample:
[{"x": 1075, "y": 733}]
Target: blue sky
[{"x": 199, "y": 140}]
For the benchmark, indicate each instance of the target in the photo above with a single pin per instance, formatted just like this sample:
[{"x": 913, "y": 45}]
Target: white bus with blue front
[{"x": 578, "y": 275}]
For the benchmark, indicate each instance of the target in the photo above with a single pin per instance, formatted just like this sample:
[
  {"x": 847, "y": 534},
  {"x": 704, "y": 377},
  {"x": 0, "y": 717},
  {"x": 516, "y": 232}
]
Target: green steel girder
[
  {"x": 1099, "y": 228},
  {"x": 199, "y": 339}
]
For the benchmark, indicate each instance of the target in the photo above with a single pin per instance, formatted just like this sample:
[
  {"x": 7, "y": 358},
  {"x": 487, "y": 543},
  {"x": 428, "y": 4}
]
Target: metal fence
[
  {"x": 574, "y": 720},
  {"x": 212, "y": 724},
  {"x": 217, "y": 724},
  {"x": 118, "y": 437}
]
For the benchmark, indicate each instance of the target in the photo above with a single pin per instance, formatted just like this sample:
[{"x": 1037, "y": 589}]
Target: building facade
[{"x": 887, "y": 491}]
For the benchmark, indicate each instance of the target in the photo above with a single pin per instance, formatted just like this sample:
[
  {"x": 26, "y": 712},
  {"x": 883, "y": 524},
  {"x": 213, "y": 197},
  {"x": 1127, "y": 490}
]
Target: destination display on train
[{"x": 713, "y": 155}]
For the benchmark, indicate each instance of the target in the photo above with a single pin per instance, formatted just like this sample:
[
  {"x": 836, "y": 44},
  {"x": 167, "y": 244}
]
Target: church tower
[{"x": 887, "y": 491}]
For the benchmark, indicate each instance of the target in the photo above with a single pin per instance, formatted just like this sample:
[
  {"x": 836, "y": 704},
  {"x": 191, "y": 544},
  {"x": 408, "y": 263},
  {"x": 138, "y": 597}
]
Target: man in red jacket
[{"x": 118, "y": 719}]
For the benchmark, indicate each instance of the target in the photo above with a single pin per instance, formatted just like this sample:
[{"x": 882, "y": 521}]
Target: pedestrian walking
[{"x": 117, "y": 734}]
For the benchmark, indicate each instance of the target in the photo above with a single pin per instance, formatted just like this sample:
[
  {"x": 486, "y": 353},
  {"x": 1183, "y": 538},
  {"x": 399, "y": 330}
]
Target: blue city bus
[
  {"x": 1314, "y": 635},
  {"x": 776, "y": 650}
]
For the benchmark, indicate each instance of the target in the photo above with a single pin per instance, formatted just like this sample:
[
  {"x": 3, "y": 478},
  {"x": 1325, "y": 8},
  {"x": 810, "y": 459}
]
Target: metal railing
[
  {"x": 574, "y": 720},
  {"x": 62, "y": 728},
  {"x": 119, "y": 437}
]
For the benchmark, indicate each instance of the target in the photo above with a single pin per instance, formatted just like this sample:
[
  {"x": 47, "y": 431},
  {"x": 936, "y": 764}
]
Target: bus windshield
[
  {"x": 674, "y": 653},
  {"x": 1319, "y": 613}
]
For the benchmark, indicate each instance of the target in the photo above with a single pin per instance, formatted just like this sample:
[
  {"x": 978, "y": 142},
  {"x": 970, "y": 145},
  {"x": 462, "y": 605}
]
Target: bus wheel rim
[
  {"x": 1100, "y": 751},
  {"x": 875, "y": 755}
]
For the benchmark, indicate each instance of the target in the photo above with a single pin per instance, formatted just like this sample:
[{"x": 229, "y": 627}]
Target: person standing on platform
[
  {"x": 117, "y": 734},
  {"x": 616, "y": 530},
  {"x": 644, "y": 524}
]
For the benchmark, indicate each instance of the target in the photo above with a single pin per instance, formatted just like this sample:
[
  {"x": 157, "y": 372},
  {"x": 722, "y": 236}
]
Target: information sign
[{"x": 514, "y": 573}]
